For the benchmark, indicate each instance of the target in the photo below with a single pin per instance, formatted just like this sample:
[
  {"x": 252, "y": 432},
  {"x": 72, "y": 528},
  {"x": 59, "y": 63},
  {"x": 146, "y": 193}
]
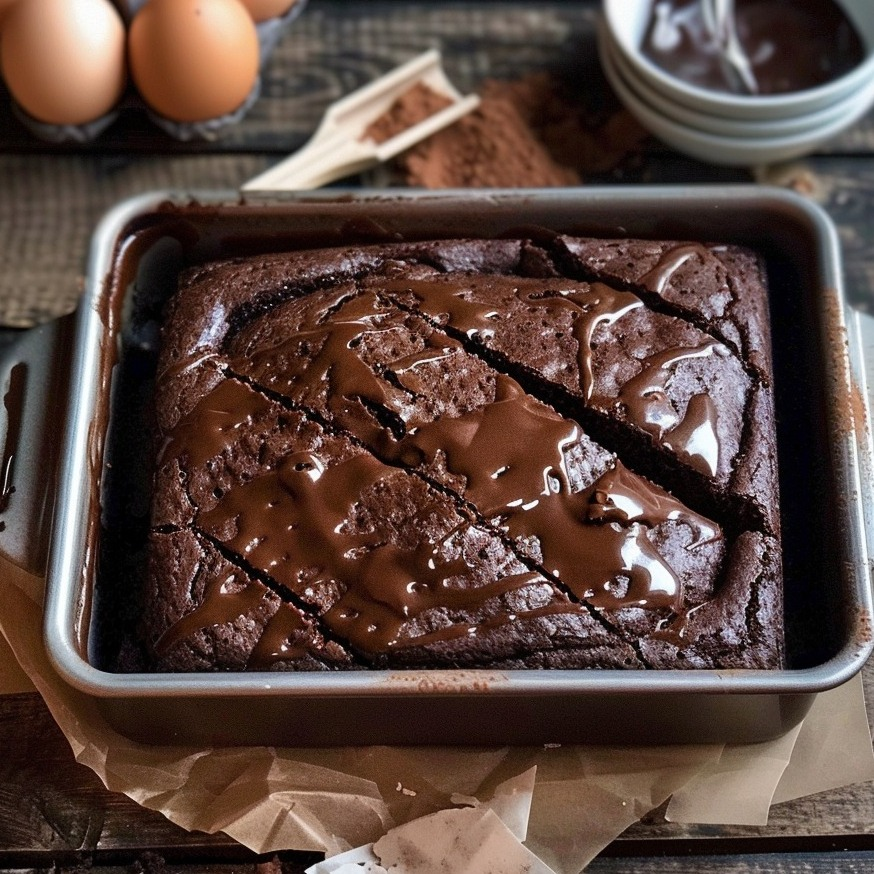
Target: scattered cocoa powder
[
  {"x": 411, "y": 108},
  {"x": 525, "y": 133}
]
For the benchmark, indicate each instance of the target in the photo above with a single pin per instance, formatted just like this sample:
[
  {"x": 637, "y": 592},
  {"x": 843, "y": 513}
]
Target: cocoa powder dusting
[
  {"x": 525, "y": 133},
  {"x": 411, "y": 108}
]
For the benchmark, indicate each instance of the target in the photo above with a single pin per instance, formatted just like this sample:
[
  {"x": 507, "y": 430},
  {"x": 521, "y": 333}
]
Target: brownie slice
[
  {"x": 718, "y": 287},
  {"x": 204, "y": 612}
]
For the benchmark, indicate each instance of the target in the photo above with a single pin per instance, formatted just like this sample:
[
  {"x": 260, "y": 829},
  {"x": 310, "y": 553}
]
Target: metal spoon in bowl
[{"x": 719, "y": 19}]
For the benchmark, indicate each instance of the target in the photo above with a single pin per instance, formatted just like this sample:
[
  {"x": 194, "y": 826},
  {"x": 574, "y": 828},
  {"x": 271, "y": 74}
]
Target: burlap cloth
[{"x": 49, "y": 207}]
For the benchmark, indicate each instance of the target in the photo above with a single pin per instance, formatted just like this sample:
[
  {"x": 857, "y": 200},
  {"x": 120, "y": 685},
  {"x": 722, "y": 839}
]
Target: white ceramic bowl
[
  {"x": 627, "y": 21},
  {"x": 851, "y": 107},
  {"x": 738, "y": 151}
]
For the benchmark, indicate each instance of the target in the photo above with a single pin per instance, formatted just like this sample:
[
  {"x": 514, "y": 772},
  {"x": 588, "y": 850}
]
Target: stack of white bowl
[{"x": 723, "y": 128}]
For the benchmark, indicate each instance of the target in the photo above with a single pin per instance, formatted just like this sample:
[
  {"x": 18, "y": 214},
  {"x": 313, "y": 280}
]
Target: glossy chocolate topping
[
  {"x": 791, "y": 46},
  {"x": 281, "y": 640},
  {"x": 225, "y": 598},
  {"x": 302, "y": 366},
  {"x": 657, "y": 279},
  {"x": 294, "y": 524},
  {"x": 512, "y": 454},
  {"x": 693, "y": 434},
  {"x": 431, "y": 461},
  {"x": 214, "y": 424}
]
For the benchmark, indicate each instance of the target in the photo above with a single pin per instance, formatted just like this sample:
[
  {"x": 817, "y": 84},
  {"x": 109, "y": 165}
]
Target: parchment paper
[{"x": 335, "y": 800}]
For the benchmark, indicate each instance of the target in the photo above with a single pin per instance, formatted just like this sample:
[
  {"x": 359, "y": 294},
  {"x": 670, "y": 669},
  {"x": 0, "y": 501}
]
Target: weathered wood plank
[
  {"x": 800, "y": 863},
  {"x": 149, "y": 862},
  {"x": 793, "y": 863},
  {"x": 50, "y": 804}
]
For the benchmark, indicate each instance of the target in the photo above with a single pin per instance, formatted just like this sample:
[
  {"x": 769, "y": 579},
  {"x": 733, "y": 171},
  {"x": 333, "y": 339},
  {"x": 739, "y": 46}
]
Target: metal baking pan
[{"x": 75, "y": 378}]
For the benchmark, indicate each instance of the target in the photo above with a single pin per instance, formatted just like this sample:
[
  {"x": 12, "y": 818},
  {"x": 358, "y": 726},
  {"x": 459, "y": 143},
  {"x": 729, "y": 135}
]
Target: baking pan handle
[{"x": 33, "y": 387}]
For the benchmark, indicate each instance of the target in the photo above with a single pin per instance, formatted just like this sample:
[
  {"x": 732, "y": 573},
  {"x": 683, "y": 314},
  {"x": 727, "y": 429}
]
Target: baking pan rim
[{"x": 63, "y": 601}]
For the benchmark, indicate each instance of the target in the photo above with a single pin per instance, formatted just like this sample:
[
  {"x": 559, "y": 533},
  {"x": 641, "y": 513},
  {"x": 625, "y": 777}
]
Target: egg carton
[{"x": 269, "y": 33}]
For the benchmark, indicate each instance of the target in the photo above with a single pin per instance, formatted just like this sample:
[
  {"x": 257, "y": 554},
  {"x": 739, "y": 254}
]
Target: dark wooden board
[{"x": 846, "y": 862}]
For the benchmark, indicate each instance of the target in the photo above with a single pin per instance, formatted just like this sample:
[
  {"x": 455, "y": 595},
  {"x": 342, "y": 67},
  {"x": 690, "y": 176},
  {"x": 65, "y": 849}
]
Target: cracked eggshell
[{"x": 193, "y": 60}]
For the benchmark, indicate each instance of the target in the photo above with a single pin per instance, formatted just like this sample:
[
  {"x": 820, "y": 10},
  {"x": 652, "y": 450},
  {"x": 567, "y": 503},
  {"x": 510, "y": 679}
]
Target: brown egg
[
  {"x": 63, "y": 60},
  {"x": 192, "y": 60},
  {"x": 261, "y": 10}
]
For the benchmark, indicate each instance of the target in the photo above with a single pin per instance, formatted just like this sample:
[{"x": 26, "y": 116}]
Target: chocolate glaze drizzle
[
  {"x": 319, "y": 364},
  {"x": 225, "y": 598},
  {"x": 692, "y": 435},
  {"x": 657, "y": 279},
  {"x": 297, "y": 526},
  {"x": 214, "y": 424}
]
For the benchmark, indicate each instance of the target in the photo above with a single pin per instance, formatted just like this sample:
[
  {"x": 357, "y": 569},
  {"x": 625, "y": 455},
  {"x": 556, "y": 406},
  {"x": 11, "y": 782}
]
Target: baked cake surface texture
[{"x": 463, "y": 453}]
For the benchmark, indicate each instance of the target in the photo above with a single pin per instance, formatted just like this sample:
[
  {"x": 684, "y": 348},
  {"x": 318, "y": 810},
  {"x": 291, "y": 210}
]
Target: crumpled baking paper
[
  {"x": 555, "y": 807},
  {"x": 482, "y": 838}
]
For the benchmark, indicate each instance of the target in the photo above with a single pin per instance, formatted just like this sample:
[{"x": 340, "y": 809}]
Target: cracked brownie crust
[{"x": 467, "y": 453}]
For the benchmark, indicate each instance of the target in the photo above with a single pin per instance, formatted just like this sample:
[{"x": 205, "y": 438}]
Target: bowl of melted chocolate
[{"x": 786, "y": 74}]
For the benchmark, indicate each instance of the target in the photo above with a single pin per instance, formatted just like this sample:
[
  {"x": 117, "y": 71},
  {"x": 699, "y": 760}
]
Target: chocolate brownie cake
[{"x": 466, "y": 453}]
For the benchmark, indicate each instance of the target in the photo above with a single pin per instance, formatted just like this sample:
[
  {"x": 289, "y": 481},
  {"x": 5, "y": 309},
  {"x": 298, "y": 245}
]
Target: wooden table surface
[{"x": 54, "y": 813}]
